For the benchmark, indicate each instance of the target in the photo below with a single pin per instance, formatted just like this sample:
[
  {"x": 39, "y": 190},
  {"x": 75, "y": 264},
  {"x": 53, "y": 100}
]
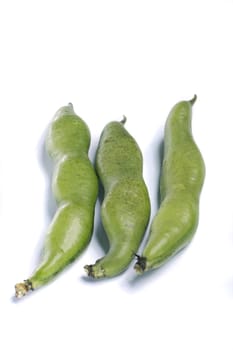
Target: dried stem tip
[
  {"x": 89, "y": 270},
  {"x": 21, "y": 289},
  {"x": 140, "y": 265}
]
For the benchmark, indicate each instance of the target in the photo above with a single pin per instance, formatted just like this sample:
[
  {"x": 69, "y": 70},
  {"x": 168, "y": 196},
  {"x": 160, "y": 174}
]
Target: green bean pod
[
  {"x": 182, "y": 178},
  {"x": 75, "y": 188},
  {"x": 125, "y": 209}
]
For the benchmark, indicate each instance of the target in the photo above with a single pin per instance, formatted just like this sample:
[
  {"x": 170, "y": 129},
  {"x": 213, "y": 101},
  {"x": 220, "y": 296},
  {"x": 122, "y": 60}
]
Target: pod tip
[
  {"x": 140, "y": 264},
  {"x": 95, "y": 271},
  {"x": 192, "y": 101},
  {"x": 21, "y": 289},
  {"x": 89, "y": 270}
]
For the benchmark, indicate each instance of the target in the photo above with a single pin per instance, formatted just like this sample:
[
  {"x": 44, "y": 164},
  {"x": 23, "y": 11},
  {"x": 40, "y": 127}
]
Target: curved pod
[
  {"x": 182, "y": 178},
  {"x": 125, "y": 209},
  {"x": 75, "y": 188}
]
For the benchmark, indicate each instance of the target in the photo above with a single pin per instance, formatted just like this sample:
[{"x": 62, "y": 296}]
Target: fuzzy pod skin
[
  {"x": 75, "y": 188},
  {"x": 125, "y": 210},
  {"x": 182, "y": 178}
]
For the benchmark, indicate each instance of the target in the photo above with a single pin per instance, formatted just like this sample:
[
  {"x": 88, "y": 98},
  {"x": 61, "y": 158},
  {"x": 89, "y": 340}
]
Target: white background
[{"x": 111, "y": 58}]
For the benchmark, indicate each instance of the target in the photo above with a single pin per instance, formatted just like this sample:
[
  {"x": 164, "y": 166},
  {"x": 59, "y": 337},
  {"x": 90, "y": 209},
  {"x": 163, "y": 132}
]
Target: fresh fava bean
[
  {"x": 75, "y": 187},
  {"x": 182, "y": 178},
  {"x": 125, "y": 209}
]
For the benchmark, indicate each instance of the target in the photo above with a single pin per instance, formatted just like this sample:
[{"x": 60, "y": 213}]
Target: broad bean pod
[
  {"x": 125, "y": 210},
  {"x": 75, "y": 188},
  {"x": 182, "y": 178}
]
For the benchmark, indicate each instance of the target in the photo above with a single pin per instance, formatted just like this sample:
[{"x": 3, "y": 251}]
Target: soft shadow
[
  {"x": 49, "y": 202},
  {"x": 152, "y": 169},
  {"x": 100, "y": 235},
  {"x": 229, "y": 287},
  {"x": 91, "y": 280},
  {"x": 160, "y": 159},
  {"x": 48, "y": 166},
  {"x": 30, "y": 294}
]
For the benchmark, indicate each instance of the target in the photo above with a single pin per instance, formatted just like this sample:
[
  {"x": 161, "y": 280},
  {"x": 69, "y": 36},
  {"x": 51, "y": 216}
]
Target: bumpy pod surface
[
  {"x": 125, "y": 209},
  {"x": 182, "y": 178},
  {"x": 75, "y": 188}
]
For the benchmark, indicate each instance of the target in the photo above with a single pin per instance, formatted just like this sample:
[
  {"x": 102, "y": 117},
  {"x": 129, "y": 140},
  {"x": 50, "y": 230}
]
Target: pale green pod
[
  {"x": 75, "y": 188},
  {"x": 125, "y": 209},
  {"x": 182, "y": 178}
]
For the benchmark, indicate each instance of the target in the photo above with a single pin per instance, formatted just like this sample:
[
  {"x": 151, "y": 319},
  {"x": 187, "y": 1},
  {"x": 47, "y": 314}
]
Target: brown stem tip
[
  {"x": 140, "y": 265},
  {"x": 21, "y": 289},
  {"x": 89, "y": 270}
]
